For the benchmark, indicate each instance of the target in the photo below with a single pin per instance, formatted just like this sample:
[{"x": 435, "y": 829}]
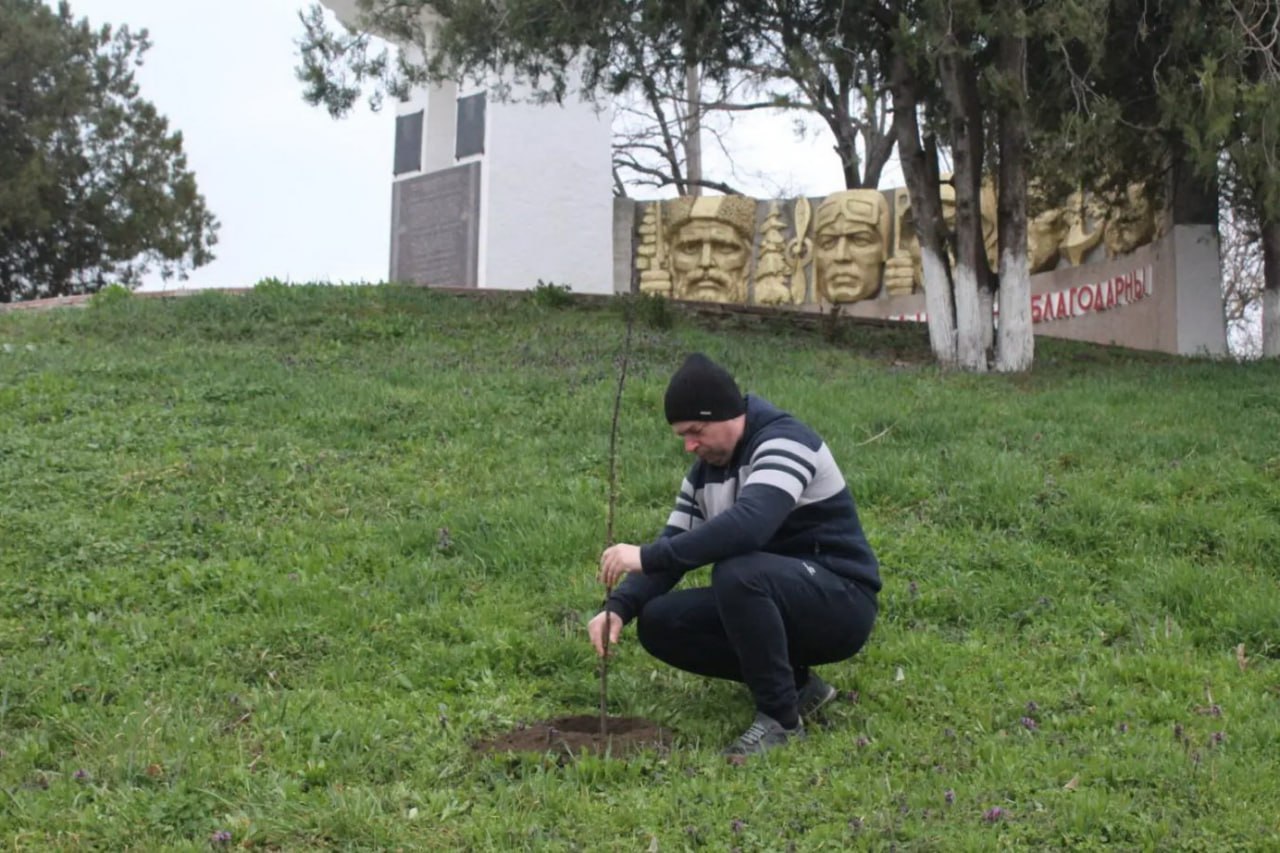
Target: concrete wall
[
  {"x": 547, "y": 186},
  {"x": 1165, "y": 296},
  {"x": 1198, "y": 258},
  {"x": 1179, "y": 312},
  {"x": 546, "y": 183},
  {"x": 546, "y": 191},
  {"x": 440, "y": 125}
]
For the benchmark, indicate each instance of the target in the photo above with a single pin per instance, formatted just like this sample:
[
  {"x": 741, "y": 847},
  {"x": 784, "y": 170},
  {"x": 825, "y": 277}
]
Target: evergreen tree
[{"x": 94, "y": 188}]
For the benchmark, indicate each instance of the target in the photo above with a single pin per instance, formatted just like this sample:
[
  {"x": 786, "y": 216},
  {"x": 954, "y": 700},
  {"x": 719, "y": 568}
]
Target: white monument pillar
[{"x": 499, "y": 193}]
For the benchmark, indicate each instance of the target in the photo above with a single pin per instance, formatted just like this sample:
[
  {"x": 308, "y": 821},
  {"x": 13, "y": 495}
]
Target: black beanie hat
[{"x": 702, "y": 390}]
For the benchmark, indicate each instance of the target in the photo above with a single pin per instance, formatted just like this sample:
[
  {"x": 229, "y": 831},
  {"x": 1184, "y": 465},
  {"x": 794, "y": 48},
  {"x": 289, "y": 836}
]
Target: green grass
[{"x": 226, "y": 603}]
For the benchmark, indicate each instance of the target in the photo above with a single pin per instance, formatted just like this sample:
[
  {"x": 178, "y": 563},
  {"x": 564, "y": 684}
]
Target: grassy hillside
[{"x": 269, "y": 564}]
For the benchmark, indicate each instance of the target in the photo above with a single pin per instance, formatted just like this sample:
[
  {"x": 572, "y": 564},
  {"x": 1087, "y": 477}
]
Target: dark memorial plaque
[
  {"x": 435, "y": 228},
  {"x": 408, "y": 143},
  {"x": 470, "y": 126}
]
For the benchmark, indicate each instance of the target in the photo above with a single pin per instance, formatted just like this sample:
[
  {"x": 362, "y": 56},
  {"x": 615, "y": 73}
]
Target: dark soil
[{"x": 574, "y": 735}]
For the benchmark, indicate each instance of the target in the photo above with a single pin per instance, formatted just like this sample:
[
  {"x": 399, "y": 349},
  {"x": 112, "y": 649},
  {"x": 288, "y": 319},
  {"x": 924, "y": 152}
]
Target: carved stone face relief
[
  {"x": 849, "y": 247},
  {"x": 903, "y": 272},
  {"x": 1084, "y": 227},
  {"x": 709, "y": 262},
  {"x": 851, "y": 242},
  {"x": 709, "y": 248},
  {"x": 1131, "y": 225},
  {"x": 1045, "y": 233}
]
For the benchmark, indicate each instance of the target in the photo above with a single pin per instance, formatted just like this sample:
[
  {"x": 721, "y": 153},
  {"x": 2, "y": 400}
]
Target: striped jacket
[{"x": 781, "y": 493}]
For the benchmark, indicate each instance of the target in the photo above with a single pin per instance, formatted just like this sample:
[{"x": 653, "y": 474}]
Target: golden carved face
[
  {"x": 1044, "y": 238},
  {"x": 1083, "y": 217},
  {"x": 986, "y": 212},
  {"x": 709, "y": 262},
  {"x": 908, "y": 240},
  {"x": 1130, "y": 226},
  {"x": 851, "y": 242}
]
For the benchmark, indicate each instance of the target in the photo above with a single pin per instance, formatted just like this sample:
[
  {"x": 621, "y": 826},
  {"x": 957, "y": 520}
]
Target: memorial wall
[{"x": 1102, "y": 273}]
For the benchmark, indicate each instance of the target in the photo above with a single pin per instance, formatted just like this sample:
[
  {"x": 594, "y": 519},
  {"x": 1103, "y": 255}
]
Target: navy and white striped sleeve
[
  {"x": 686, "y": 515},
  {"x": 630, "y": 596},
  {"x": 785, "y": 464}
]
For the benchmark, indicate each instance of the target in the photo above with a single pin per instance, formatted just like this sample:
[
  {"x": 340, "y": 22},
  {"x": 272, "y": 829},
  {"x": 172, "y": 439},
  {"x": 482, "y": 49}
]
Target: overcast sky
[{"x": 303, "y": 197}]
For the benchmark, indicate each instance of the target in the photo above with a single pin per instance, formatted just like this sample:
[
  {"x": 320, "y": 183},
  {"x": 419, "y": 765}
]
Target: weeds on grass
[
  {"x": 269, "y": 563},
  {"x": 548, "y": 294}
]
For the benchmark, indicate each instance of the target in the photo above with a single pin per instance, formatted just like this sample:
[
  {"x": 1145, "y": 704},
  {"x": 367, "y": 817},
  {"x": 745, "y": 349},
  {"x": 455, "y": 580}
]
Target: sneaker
[
  {"x": 813, "y": 696},
  {"x": 764, "y": 734}
]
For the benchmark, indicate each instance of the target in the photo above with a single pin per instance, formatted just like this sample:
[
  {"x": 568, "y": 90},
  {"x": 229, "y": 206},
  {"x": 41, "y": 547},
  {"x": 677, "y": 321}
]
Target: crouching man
[{"x": 793, "y": 579}]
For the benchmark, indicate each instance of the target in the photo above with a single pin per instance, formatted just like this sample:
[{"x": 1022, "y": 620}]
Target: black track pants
[{"x": 764, "y": 621}]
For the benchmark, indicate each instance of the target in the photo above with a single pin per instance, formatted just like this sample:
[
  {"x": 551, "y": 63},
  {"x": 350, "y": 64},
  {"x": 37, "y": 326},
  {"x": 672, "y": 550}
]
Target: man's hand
[
  {"x": 618, "y": 561},
  {"x": 901, "y": 276},
  {"x": 596, "y": 628}
]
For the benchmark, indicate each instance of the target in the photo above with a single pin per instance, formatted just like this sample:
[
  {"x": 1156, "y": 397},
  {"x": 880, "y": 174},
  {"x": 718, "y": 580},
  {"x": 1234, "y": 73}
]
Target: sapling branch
[{"x": 608, "y": 524}]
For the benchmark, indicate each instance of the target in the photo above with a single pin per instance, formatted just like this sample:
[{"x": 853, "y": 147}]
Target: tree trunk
[
  {"x": 876, "y": 137},
  {"x": 846, "y": 147},
  {"x": 1016, "y": 346},
  {"x": 960, "y": 88},
  {"x": 1271, "y": 289},
  {"x": 987, "y": 314},
  {"x": 693, "y": 129},
  {"x": 841, "y": 124},
  {"x": 922, "y": 186}
]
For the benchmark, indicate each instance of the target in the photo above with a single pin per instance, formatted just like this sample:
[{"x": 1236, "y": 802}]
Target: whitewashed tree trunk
[
  {"x": 986, "y": 302},
  {"x": 937, "y": 302},
  {"x": 971, "y": 351},
  {"x": 1017, "y": 343},
  {"x": 920, "y": 169},
  {"x": 958, "y": 77},
  {"x": 1016, "y": 346}
]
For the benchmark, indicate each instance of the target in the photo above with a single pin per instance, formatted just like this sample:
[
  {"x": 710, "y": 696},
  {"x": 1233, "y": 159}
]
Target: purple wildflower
[
  {"x": 851, "y": 697},
  {"x": 1124, "y": 728},
  {"x": 1218, "y": 737},
  {"x": 737, "y": 825},
  {"x": 1029, "y": 724},
  {"x": 949, "y": 796},
  {"x": 81, "y": 775},
  {"x": 862, "y": 741},
  {"x": 993, "y": 814},
  {"x": 222, "y": 836},
  {"x": 1032, "y": 707},
  {"x": 914, "y": 589}
]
